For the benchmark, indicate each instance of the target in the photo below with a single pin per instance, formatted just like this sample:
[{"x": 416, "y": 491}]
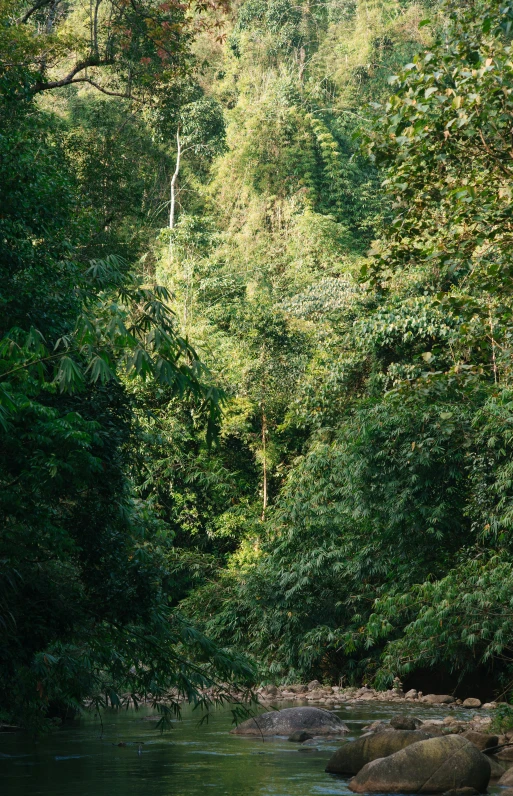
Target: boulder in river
[
  {"x": 433, "y": 766},
  {"x": 354, "y": 755},
  {"x": 507, "y": 779},
  {"x": 472, "y": 703},
  {"x": 438, "y": 699},
  {"x": 405, "y": 723},
  {"x": 315, "y": 721}
]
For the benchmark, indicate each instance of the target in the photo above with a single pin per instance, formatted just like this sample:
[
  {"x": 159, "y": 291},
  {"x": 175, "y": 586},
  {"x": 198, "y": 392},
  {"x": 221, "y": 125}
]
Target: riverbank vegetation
[{"x": 255, "y": 395}]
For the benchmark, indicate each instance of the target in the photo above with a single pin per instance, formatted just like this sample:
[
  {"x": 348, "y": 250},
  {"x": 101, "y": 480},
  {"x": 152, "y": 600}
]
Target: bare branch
[{"x": 105, "y": 90}]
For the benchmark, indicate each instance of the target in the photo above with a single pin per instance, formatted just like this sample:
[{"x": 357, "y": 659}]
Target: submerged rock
[
  {"x": 433, "y": 766},
  {"x": 300, "y": 736},
  {"x": 315, "y": 721},
  {"x": 354, "y": 755}
]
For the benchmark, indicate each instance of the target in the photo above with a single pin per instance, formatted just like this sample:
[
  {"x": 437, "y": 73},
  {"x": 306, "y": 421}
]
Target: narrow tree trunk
[
  {"x": 494, "y": 359},
  {"x": 264, "y": 458},
  {"x": 174, "y": 180}
]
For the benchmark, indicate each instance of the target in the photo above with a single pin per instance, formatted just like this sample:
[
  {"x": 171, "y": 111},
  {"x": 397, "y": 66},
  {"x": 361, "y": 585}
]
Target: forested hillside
[{"x": 256, "y": 335}]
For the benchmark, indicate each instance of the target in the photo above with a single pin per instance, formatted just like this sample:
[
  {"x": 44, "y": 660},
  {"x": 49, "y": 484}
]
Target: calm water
[{"x": 191, "y": 760}]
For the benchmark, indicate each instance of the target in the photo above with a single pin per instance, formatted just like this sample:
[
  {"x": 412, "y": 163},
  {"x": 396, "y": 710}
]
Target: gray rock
[
  {"x": 433, "y": 766},
  {"x": 354, "y": 755},
  {"x": 439, "y": 699},
  {"x": 411, "y": 694},
  {"x": 298, "y": 689},
  {"x": 300, "y": 736},
  {"x": 405, "y": 723},
  {"x": 461, "y": 792},
  {"x": 481, "y": 739},
  {"x": 314, "y": 685},
  {"x": 315, "y": 721},
  {"x": 472, "y": 703}
]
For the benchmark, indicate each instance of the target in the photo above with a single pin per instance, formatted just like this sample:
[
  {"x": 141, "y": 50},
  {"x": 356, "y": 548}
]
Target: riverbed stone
[
  {"x": 315, "y": 721},
  {"x": 300, "y": 736},
  {"x": 405, "y": 723},
  {"x": 472, "y": 703},
  {"x": 436, "y": 765},
  {"x": 507, "y": 778},
  {"x": 438, "y": 699},
  {"x": 506, "y": 755},
  {"x": 354, "y": 755},
  {"x": 314, "y": 685},
  {"x": 481, "y": 739}
]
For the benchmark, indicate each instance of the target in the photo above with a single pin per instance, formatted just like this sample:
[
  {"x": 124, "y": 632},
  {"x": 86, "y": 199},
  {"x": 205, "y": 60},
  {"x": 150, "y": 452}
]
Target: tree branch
[
  {"x": 65, "y": 81},
  {"x": 40, "y": 4}
]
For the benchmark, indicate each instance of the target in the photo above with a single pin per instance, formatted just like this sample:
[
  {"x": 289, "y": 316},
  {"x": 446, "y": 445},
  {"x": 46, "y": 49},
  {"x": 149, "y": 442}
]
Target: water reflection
[{"x": 76, "y": 761}]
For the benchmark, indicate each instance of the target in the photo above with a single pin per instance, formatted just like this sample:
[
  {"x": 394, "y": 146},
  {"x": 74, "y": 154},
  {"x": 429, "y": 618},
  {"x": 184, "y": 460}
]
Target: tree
[{"x": 121, "y": 49}]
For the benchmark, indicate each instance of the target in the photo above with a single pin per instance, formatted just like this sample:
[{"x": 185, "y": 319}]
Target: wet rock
[
  {"x": 365, "y": 692},
  {"x": 316, "y": 694},
  {"x": 507, "y": 778},
  {"x": 489, "y": 706},
  {"x": 438, "y": 699},
  {"x": 506, "y": 755},
  {"x": 472, "y": 703},
  {"x": 270, "y": 690},
  {"x": 354, "y": 755},
  {"x": 314, "y": 685},
  {"x": 411, "y": 694},
  {"x": 481, "y": 739},
  {"x": 298, "y": 689},
  {"x": 434, "y": 727},
  {"x": 315, "y": 721},
  {"x": 405, "y": 723},
  {"x": 461, "y": 792},
  {"x": 300, "y": 736},
  {"x": 433, "y": 766},
  {"x": 377, "y": 726}
]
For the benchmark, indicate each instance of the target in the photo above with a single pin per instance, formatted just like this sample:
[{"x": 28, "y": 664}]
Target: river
[{"x": 190, "y": 760}]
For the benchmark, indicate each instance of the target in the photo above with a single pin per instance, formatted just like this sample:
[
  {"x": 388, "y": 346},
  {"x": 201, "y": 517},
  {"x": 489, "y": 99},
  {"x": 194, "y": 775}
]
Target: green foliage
[
  {"x": 87, "y": 593},
  {"x": 348, "y": 513},
  {"x": 388, "y": 544},
  {"x": 503, "y": 718}
]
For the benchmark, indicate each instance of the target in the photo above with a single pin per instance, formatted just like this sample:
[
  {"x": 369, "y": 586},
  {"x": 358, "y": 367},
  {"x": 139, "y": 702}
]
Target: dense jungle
[{"x": 256, "y": 310}]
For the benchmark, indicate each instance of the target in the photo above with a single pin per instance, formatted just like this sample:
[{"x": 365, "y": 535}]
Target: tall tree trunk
[
  {"x": 264, "y": 459},
  {"x": 174, "y": 180}
]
